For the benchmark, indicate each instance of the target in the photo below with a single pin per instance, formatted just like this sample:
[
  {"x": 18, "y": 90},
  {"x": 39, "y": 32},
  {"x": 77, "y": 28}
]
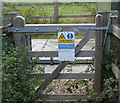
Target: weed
[{"x": 17, "y": 84}]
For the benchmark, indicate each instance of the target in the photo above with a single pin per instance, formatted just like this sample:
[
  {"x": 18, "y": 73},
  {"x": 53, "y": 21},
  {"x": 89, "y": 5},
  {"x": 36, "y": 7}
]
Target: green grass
[
  {"x": 48, "y": 36},
  {"x": 49, "y": 1},
  {"x": 53, "y": 36},
  {"x": 28, "y": 11}
]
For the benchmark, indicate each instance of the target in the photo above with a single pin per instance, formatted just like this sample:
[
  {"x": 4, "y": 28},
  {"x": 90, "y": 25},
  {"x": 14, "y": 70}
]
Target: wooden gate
[{"x": 20, "y": 29}]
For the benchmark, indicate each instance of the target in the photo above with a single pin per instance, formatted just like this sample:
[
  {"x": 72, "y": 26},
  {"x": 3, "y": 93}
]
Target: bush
[{"x": 18, "y": 86}]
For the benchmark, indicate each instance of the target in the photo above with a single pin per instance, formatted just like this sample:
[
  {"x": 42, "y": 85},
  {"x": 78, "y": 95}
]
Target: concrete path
[{"x": 51, "y": 45}]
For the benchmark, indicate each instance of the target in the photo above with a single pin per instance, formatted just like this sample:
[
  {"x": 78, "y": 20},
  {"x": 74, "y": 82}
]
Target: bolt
[
  {"x": 76, "y": 31},
  {"x": 36, "y": 29},
  {"x": 16, "y": 29},
  {"x": 57, "y": 29},
  {"x": 60, "y": 29},
  {"x": 9, "y": 25}
]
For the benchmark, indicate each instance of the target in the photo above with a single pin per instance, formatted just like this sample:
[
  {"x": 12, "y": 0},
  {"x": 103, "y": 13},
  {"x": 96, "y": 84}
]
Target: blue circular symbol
[{"x": 70, "y": 36}]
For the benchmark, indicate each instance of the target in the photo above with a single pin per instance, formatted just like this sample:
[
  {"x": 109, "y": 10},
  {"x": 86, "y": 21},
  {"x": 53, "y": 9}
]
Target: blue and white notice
[{"x": 66, "y": 46}]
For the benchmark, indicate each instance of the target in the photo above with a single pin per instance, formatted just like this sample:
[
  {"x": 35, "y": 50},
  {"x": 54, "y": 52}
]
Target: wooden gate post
[
  {"x": 20, "y": 39},
  {"x": 56, "y": 11},
  {"x": 98, "y": 53},
  {"x": 0, "y": 62},
  {"x": 111, "y": 39},
  {"x": 105, "y": 15},
  {"x": 1, "y": 13}
]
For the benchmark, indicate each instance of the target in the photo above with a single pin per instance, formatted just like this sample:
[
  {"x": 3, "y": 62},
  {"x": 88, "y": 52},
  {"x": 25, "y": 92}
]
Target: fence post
[
  {"x": 98, "y": 53},
  {"x": 1, "y": 13},
  {"x": 0, "y": 64},
  {"x": 9, "y": 16},
  {"x": 105, "y": 15},
  {"x": 56, "y": 11},
  {"x": 3, "y": 8},
  {"x": 111, "y": 39},
  {"x": 115, "y": 21},
  {"x": 20, "y": 40},
  {"x": 0, "y": 52},
  {"x": 119, "y": 87}
]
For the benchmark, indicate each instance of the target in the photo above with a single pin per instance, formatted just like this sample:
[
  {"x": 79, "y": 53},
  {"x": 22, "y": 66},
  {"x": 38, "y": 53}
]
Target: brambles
[
  {"x": 111, "y": 91},
  {"x": 17, "y": 85}
]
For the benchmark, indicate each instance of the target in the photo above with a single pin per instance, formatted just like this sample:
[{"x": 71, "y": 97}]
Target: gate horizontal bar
[
  {"x": 60, "y": 25},
  {"x": 115, "y": 31},
  {"x": 51, "y": 61},
  {"x": 55, "y": 53},
  {"x": 33, "y": 29},
  {"x": 69, "y": 97},
  {"x": 115, "y": 70},
  {"x": 73, "y": 16},
  {"x": 62, "y": 16},
  {"x": 66, "y": 76},
  {"x": 49, "y": 29},
  {"x": 93, "y": 28}
]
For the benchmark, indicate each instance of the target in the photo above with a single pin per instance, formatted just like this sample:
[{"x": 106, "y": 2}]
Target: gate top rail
[
  {"x": 43, "y": 28},
  {"x": 62, "y": 25},
  {"x": 49, "y": 29}
]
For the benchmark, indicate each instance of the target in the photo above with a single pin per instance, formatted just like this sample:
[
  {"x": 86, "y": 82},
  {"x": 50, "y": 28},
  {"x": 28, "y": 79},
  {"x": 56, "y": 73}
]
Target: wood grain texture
[
  {"x": 98, "y": 54},
  {"x": 66, "y": 76},
  {"x": 56, "y": 11},
  {"x": 20, "y": 39},
  {"x": 82, "y": 43},
  {"x": 116, "y": 70},
  {"x": 52, "y": 76},
  {"x": 55, "y": 53},
  {"x": 66, "y": 97},
  {"x": 115, "y": 31},
  {"x": 75, "y": 16}
]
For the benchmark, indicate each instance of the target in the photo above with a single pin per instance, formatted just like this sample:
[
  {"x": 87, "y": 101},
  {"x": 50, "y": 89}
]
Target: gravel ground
[{"x": 60, "y": 87}]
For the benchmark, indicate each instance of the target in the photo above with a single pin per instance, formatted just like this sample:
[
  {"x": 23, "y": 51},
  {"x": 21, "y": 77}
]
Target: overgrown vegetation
[
  {"x": 86, "y": 84},
  {"x": 17, "y": 85},
  {"x": 108, "y": 79}
]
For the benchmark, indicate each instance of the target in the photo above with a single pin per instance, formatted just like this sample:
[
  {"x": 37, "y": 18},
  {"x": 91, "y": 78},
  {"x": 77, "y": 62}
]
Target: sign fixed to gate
[{"x": 66, "y": 46}]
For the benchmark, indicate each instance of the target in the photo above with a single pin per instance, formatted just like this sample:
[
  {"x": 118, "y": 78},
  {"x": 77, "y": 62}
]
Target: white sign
[{"x": 66, "y": 46}]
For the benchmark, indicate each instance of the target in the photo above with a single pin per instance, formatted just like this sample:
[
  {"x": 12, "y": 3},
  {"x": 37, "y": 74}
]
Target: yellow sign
[
  {"x": 62, "y": 36},
  {"x": 66, "y": 41}
]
